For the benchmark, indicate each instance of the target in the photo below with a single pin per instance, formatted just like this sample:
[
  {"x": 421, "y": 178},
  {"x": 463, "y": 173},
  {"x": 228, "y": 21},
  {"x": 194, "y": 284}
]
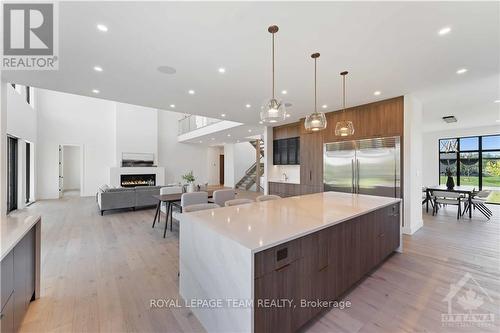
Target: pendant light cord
[
  {"x": 315, "y": 91},
  {"x": 343, "y": 92},
  {"x": 273, "y": 65}
]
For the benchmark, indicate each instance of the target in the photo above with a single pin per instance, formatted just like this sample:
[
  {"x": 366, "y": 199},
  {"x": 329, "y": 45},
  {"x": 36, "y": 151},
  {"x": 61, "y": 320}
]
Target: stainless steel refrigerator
[{"x": 370, "y": 166}]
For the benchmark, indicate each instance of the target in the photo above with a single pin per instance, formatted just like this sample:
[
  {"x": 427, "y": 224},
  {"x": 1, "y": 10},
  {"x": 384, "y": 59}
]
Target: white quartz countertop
[
  {"x": 12, "y": 230},
  {"x": 261, "y": 225}
]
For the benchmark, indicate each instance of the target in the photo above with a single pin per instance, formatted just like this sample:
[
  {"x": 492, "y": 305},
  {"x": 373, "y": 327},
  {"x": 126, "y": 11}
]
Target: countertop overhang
[
  {"x": 13, "y": 228},
  {"x": 261, "y": 225}
]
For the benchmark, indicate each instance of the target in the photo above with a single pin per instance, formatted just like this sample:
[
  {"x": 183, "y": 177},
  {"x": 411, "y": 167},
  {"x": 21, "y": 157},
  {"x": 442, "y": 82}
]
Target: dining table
[
  {"x": 172, "y": 199},
  {"x": 469, "y": 191}
]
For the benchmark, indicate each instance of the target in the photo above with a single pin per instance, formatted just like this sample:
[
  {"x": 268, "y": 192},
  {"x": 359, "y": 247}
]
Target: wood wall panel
[{"x": 286, "y": 131}]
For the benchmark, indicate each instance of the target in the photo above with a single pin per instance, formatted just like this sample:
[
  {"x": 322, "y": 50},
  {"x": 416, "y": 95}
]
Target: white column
[
  {"x": 3, "y": 148},
  {"x": 412, "y": 195},
  {"x": 268, "y": 156}
]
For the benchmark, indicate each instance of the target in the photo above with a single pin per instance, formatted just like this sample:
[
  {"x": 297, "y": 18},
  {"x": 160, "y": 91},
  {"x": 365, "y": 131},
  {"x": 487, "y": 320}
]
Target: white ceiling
[{"x": 392, "y": 47}]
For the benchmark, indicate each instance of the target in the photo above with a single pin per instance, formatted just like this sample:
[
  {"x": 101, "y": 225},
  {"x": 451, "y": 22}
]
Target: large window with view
[{"x": 473, "y": 161}]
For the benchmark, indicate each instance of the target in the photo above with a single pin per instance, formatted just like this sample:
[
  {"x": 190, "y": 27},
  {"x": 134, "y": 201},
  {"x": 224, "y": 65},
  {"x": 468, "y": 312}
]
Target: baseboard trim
[{"x": 411, "y": 229}]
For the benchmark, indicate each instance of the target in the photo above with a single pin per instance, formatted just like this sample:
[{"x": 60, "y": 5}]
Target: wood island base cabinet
[{"x": 320, "y": 266}]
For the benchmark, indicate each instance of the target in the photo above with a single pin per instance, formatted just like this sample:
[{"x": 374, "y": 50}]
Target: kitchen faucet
[{"x": 285, "y": 177}]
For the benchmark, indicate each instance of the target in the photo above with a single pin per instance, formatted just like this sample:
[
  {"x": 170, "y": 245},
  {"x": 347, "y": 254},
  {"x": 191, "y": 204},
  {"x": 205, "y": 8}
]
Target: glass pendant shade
[
  {"x": 316, "y": 121},
  {"x": 344, "y": 128},
  {"x": 272, "y": 111}
]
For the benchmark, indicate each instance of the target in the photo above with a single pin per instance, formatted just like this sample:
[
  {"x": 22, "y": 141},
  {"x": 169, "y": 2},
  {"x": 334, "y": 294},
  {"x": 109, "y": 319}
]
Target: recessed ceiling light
[
  {"x": 260, "y": 122},
  {"x": 222, "y": 115},
  {"x": 324, "y": 106},
  {"x": 444, "y": 31},
  {"x": 172, "y": 106},
  {"x": 376, "y": 93},
  {"x": 200, "y": 141},
  {"x": 288, "y": 115},
  {"x": 249, "y": 131},
  {"x": 222, "y": 70},
  {"x": 461, "y": 70},
  {"x": 284, "y": 92},
  {"x": 166, "y": 69},
  {"x": 213, "y": 138},
  {"x": 248, "y": 106},
  {"x": 237, "y": 140},
  {"x": 229, "y": 135},
  {"x": 496, "y": 101},
  {"x": 102, "y": 27},
  {"x": 98, "y": 68},
  {"x": 191, "y": 92},
  {"x": 95, "y": 91}
]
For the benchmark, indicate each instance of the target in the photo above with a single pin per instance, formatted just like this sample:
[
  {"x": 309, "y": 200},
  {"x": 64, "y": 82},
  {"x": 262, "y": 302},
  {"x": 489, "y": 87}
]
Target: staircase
[{"x": 248, "y": 180}]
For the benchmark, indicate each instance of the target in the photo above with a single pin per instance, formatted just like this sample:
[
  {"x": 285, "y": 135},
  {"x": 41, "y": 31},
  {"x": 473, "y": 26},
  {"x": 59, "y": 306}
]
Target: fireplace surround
[{"x": 132, "y": 180}]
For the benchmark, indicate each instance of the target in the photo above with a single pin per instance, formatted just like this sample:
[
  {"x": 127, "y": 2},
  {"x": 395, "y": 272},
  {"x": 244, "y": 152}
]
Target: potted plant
[
  {"x": 189, "y": 178},
  {"x": 450, "y": 183}
]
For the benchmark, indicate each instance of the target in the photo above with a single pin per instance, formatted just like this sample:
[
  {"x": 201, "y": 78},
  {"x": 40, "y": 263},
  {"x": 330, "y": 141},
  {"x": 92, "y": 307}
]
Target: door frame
[
  {"x": 61, "y": 166},
  {"x": 221, "y": 169}
]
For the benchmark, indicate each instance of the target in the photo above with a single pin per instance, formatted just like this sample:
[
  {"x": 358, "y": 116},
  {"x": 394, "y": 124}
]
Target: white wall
[
  {"x": 21, "y": 122},
  {"x": 3, "y": 148},
  {"x": 71, "y": 168},
  {"x": 238, "y": 157},
  {"x": 179, "y": 158},
  {"x": 244, "y": 157},
  {"x": 136, "y": 130},
  {"x": 431, "y": 148},
  {"x": 213, "y": 161},
  {"x": 74, "y": 120},
  {"x": 412, "y": 173}
]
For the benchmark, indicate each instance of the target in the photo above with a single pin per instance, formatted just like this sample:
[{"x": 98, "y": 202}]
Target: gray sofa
[{"x": 126, "y": 197}]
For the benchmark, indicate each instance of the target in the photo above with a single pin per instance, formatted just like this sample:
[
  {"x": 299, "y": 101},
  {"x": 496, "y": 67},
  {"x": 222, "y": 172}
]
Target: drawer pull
[{"x": 282, "y": 268}]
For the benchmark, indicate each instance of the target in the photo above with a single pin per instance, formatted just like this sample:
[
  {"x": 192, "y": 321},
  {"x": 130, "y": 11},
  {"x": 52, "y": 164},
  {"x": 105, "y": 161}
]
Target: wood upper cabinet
[
  {"x": 379, "y": 119},
  {"x": 311, "y": 159}
]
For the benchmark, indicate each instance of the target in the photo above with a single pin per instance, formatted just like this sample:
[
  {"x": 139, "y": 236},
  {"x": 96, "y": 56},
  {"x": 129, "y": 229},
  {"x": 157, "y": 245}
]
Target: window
[
  {"x": 473, "y": 161},
  {"x": 11, "y": 174},
  {"x": 28, "y": 94}
]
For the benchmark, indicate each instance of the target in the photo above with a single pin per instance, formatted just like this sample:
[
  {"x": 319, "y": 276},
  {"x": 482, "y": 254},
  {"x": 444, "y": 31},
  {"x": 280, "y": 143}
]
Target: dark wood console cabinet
[
  {"x": 320, "y": 266},
  {"x": 18, "y": 282}
]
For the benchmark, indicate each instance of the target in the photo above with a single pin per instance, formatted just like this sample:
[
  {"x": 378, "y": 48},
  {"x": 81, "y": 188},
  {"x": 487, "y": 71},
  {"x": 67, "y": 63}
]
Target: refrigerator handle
[
  {"x": 352, "y": 177},
  {"x": 357, "y": 175}
]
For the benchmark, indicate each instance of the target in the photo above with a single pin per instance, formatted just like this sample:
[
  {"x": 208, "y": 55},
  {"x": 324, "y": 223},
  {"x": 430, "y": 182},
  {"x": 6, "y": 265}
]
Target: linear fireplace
[{"x": 131, "y": 180}]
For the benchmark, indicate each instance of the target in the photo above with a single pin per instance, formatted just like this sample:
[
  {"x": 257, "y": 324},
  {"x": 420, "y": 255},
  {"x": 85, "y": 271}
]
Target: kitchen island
[{"x": 264, "y": 266}]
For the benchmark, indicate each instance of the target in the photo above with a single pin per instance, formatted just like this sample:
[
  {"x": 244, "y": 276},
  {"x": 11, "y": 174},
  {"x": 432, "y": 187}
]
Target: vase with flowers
[{"x": 189, "y": 178}]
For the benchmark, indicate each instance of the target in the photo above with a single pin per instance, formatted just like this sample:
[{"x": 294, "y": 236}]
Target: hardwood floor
[{"x": 99, "y": 274}]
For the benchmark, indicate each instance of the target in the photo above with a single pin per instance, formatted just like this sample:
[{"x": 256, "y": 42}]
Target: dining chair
[
  {"x": 267, "y": 197},
  {"x": 478, "y": 202},
  {"x": 187, "y": 199},
  {"x": 201, "y": 206},
  {"x": 236, "y": 202},
  {"x": 169, "y": 190},
  {"x": 447, "y": 198},
  {"x": 221, "y": 196}
]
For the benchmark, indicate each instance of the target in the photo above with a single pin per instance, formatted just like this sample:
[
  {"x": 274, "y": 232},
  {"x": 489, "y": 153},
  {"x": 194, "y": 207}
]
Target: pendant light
[
  {"x": 316, "y": 121},
  {"x": 344, "y": 127},
  {"x": 273, "y": 110}
]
